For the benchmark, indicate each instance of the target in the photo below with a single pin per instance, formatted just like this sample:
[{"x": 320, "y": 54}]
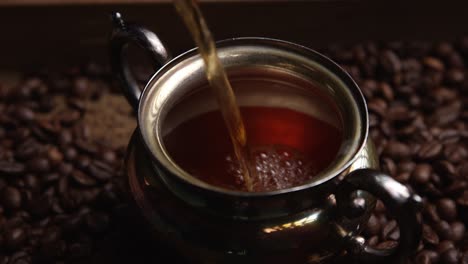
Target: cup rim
[{"x": 311, "y": 54}]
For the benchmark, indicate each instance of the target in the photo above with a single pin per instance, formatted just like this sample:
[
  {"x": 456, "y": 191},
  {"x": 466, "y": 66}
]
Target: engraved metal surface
[{"x": 308, "y": 235}]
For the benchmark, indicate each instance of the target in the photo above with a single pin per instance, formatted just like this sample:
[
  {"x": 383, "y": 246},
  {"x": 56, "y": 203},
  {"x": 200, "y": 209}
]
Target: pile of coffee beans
[
  {"x": 63, "y": 197},
  {"x": 62, "y": 190},
  {"x": 417, "y": 96}
]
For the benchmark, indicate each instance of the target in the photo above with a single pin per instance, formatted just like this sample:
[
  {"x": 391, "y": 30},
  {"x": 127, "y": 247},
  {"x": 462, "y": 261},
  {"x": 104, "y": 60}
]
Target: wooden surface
[{"x": 54, "y": 35}]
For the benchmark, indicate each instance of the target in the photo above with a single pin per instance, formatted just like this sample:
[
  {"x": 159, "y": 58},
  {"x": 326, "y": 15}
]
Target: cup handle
[
  {"x": 122, "y": 35},
  {"x": 399, "y": 201}
]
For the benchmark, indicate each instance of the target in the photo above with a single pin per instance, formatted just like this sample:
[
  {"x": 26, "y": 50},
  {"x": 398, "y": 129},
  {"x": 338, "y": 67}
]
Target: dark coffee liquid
[{"x": 288, "y": 148}]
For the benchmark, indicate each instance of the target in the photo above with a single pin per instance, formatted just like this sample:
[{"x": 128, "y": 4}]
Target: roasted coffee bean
[
  {"x": 443, "y": 229},
  {"x": 111, "y": 157},
  {"x": 39, "y": 164},
  {"x": 69, "y": 117},
  {"x": 456, "y": 188},
  {"x": 51, "y": 127},
  {"x": 86, "y": 146},
  {"x": 71, "y": 201},
  {"x": 403, "y": 177},
  {"x": 52, "y": 234},
  {"x": 11, "y": 168},
  {"x": 388, "y": 229},
  {"x": 455, "y": 153},
  {"x": 82, "y": 162},
  {"x": 386, "y": 245},
  {"x": 82, "y": 178},
  {"x": 82, "y": 132},
  {"x": 100, "y": 171},
  {"x": 450, "y": 256},
  {"x": 373, "y": 241},
  {"x": 464, "y": 258},
  {"x": 449, "y": 136},
  {"x": 446, "y": 114},
  {"x": 55, "y": 156},
  {"x": 70, "y": 153},
  {"x": 433, "y": 63},
  {"x": 427, "y": 257},
  {"x": 421, "y": 173},
  {"x": 65, "y": 137},
  {"x": 65, "y": 169},
  {"x": 373, "y": 226},
  {"x": 81, "y": 87},
  {"x": 62, "y": 186},
  {"x": 77, "y": 104},
  {"x": 11, "y": 198},
  {"x": 429, "y": 236},
  {"x": 458, "y": 231},
  {"x": 41, "y": 134},
  {"x": 397, "y": 150},
  {"x": 15, "y": 237},
  {"x": 429, "y": 151},
  {"x": 455, "y": 76},
  {"x": 20, "y": 257},
  {"x": 447, "y": 209},
  {"x": 50, "y": 178},
  {"x": 31, "y": 181},
  {"x": 28, "y": 149},
  {"x": 39, "y": 206},
  {"x": 445, "y": 168},
  {"x": 24, "y": 114},
  {"x": 390, "y": 62},
  {"x": 3, "y": 184},
  {"x": 444, "y": 246}
]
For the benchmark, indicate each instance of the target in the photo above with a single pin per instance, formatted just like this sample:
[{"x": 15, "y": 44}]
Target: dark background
[{"x": 40, "y": 32}]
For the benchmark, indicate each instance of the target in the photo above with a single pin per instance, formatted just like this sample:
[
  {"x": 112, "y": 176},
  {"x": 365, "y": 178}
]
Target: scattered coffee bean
[
  {"x": 55, "y": 156},
  {"x": 11, "y": 168},
  {"x": 421, "y": 173},
  {"x": 65, "y": 137},
  {"x": 70, "y": 153},
  {"x": 444, "y": 246},
  {"x": 447, "y": 209},
  {"x": 450, "y": 256},
  {"x": 11, "y": 198},
  {"x": 25, "y": 114},
  {"x": 373, "y": 226},
  {"x": 397, "y": 150},
  {"x": 429, "y": 151},
  {"x": 443, "y": 229},
  {"x": 82, "y": 179},
  {"x": 15, "y": 238},
  {"x": 429, "y": 236},
  {"x": 39, "y": 164},
  {"x": 427, "y": 256},
  {"x": 458, "y": 231},
  {"x": 433, "y": 63}
]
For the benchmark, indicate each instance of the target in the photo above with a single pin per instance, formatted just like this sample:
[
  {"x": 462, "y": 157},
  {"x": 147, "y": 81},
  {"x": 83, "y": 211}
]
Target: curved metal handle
[
  {"x": 401, "y": 203},
  {"x": 121, "y": 36}
]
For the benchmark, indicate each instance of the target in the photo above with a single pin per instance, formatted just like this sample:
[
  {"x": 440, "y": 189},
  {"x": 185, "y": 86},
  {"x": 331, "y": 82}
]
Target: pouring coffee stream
[{"x": 220, "y": 85}]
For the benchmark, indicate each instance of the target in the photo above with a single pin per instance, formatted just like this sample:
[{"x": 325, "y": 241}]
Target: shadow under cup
[{"x": 262, "y": 77}]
